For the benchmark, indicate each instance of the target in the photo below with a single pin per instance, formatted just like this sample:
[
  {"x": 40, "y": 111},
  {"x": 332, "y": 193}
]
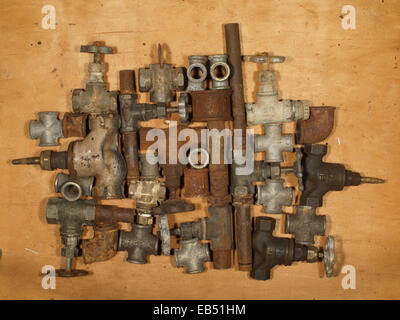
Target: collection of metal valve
[{"x": 112, "y": 155}]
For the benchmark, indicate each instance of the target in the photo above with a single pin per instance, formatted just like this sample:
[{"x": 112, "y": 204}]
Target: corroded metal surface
[
  {"x": 98, "y": 156},
  {"x": 318, "y": 127},
  {"x": 209, "y": 105},
  {"x": 103, "y": 245},
  {"x": 75, "y": 124},
  {"x": 196, "y": 182}
]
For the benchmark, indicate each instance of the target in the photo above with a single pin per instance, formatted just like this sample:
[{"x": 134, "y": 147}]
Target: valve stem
[
  {"x": 32, "y": 160},
  {"x": 372, "y": 180}
]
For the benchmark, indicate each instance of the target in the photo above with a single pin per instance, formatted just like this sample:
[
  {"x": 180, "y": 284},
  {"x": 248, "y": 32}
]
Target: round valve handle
[
  {"x": 95, "y": 48},
  {"x": 263, "y": 58},
  {"x": 329, "y": 255},
  {"x": 184, "y": 108}
]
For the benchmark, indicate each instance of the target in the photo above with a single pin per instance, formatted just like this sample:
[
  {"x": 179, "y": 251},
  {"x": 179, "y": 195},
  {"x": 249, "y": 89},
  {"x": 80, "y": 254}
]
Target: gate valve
[
  {"x": 269, "y": 251},
  {"x": 321, "y": 177}
]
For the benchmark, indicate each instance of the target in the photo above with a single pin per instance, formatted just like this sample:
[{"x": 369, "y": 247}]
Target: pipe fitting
[
  {"x": 273, "y": 142},
  {"x": 318, "y": 127},
  {"x": 161, "y": 80},
  {"x": 195, "y": 182},
  {"x": 273, "y": 195},
  {"x": 71, "y": 216},
  {"x": 194, "y": 229},
  {"x": 103, "y": 245},
  {"x": 269, "y": 109},
  {"x": 196, "y": 73},
  {"x": 48, "y": 129},
  {"x": 131, "y": 111},
  {"x": 72, "y": 188},
  {"x": 96, "y": 98},
  {"x": 191, "y": 255},
  {"x": 305, "y": 224},
  {"x": 219, "y": 71},
  {"x": 98, "y": 156},
  {"x": 140, "y": 242}
]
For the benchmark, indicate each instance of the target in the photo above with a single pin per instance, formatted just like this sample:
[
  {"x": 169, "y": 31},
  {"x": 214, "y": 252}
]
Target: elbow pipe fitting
[
  {"x": 192, "y": 255},
  {"x": 98, "y": 156},
  {"x": 273, "y": 142},
  {"x": 219, "y": 71},
  {"x": 318, "y": 127},
  {"x": 196, "y": 73},
  {"x": 305, "y": 224},
  {"x": 139, "y": 243},
  {"x": 269, "y": 109},
  {"x": 72, "y": 188},
  {"x": 273, "y": 195}
]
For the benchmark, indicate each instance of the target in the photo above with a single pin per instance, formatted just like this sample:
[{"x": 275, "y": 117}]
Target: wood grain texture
[{"x": 354, "y": 70}]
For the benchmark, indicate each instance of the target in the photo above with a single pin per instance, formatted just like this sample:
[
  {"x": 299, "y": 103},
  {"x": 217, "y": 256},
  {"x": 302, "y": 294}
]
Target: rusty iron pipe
[
  {"x": 242, "y": 212},
  {"x": 130, "y": 151},
  {"x": 236, "y": 81},
  {"x": 112, "y": 214},
  {"x": 127, "y": 82},
  {"x": 243, "y": 234}
]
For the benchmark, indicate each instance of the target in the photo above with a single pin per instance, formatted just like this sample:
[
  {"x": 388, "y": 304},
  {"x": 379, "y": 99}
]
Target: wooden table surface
[{"x": 353, "y": 70}]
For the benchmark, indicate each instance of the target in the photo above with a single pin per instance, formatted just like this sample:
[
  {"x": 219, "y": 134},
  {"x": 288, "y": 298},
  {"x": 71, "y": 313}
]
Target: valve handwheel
[
  {"x": 329, "y": 255},
  {"x": 96, "y": 48}
]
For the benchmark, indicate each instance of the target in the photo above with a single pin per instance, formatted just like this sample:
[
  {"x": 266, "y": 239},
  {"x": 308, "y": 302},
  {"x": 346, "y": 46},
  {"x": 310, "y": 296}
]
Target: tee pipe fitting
[
  {"x": 72, "y": 188},
  {"x": 219, "y": 71},
  {"x": 196, "y": 73},
  {"x": 140, "y": 242},
  {"x": 305, "y": 224},
  {"x": 192, "y": 255}
]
